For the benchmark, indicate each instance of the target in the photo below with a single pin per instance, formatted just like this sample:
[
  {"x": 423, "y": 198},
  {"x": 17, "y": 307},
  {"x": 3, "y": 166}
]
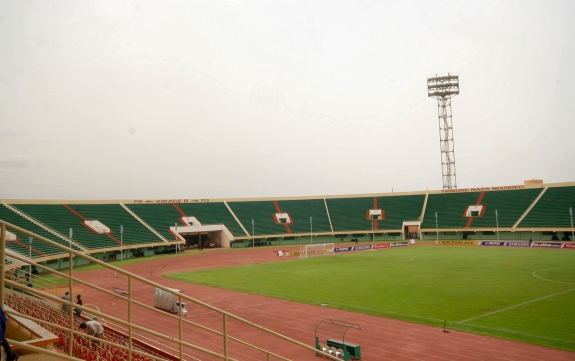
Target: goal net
[{"x": 312, "y": 250}]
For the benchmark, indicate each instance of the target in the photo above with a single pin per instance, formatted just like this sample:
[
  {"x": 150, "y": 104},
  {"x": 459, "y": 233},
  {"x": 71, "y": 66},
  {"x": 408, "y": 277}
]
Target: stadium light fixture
[
  {"x": 436, "y": 228},
  {"x": 70, "y": 242},
  {"x": 571, "y": 215},
  {"x": 443, "y": 87},
  {"x": 121, "y": 243},
  {"x": 176, "y": 234},
  {"x": 30, "y": 265},
  {"x": 497, "y": 222},
  {"x": 310, "y": 230}
]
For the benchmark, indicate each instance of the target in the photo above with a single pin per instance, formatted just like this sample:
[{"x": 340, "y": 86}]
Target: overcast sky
[{"x": 226, "y": 99}]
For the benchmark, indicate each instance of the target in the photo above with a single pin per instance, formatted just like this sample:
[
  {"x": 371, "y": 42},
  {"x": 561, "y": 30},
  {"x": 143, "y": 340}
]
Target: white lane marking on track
[
  {"x": 238, "y": 308},
  {"x": 520, "y": 304},
  {"x": 545, "y": 279}
]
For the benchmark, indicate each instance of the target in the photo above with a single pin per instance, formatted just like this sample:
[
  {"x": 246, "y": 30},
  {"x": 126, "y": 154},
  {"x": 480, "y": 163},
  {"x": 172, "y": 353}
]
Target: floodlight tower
[{"x": 443, "y": 87}]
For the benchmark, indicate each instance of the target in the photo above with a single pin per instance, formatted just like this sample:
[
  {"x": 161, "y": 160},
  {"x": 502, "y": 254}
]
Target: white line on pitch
[
  {"x": 545, "y": 279},
  {"x": 521, "y": 304}
]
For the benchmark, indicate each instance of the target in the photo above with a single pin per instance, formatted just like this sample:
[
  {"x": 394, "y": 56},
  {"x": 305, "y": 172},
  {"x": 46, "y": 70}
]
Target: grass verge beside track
[
  {"x": 522, "y": 294},
  {"x": 59, "y": 281}
]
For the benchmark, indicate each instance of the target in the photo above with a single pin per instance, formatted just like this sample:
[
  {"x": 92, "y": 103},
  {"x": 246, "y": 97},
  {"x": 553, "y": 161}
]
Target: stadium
[
  {"x": 255, "y": 180},
  {"x": 530, "y": 224}
]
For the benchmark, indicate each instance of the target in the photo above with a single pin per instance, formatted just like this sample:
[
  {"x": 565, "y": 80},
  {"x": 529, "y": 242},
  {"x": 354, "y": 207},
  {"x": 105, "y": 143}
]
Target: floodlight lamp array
[{"x": 442, "y": 85}]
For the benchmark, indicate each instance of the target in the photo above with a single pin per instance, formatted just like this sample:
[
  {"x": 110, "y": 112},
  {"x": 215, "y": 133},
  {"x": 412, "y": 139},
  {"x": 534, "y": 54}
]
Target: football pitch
[{"x": 522, "y": 294}]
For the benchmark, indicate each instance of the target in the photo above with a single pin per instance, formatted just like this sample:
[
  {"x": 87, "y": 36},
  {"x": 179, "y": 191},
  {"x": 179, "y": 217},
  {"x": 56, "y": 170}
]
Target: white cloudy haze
[{"x": 219, "y": 99}]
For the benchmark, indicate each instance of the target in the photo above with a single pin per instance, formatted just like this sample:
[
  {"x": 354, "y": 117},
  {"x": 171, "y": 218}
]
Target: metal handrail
[{"x": 73, "y": 253}]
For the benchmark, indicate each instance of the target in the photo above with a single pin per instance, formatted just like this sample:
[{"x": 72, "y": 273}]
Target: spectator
[
  {"x": 65, "y": 306},
  {"x": 10, "y": 355},
  {"x": 93, "y": 328},
  {"x": 16, "y": 270},
  {"x": 78, "y": 302},
  {"x": 27, "y": 276},
  {"x": 34, "y": 271}
]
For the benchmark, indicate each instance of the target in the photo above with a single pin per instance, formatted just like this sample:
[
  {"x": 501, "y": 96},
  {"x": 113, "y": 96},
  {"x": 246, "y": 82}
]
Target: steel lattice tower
[{"x": 443, "y": 87}]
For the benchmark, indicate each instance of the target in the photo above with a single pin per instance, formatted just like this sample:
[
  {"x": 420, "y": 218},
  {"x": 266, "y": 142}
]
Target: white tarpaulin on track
[{"x": 164, "y": 300}]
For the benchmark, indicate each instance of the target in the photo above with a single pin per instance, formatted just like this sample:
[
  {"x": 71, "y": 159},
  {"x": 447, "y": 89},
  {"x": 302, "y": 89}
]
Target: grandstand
[
  {"x": 114, "y": 216},
  {"x": 532, "y": 211},
  {"x": 550, "y": 210},
  {"x": 212, "y": 213},
  {"x": 61, "y": 218},
  {"x": 510, "y": 205},
  {"x": 11, "y": 214},
  {"x": 262, "y": 213},
  {"x": 300, "y": 212}
]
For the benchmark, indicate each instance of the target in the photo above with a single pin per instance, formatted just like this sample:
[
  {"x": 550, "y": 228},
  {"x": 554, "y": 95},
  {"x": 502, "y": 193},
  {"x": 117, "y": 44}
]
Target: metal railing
[{"x": 184, "y": 350}]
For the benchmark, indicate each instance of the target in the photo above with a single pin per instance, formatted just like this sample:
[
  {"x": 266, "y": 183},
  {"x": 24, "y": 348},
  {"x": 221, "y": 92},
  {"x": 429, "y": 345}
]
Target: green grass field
[{"x": 522, "y": 294}]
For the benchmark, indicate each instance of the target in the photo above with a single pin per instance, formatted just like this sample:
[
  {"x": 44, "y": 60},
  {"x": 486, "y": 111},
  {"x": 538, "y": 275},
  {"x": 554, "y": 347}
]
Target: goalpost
[{"x": 312, "y": 250}]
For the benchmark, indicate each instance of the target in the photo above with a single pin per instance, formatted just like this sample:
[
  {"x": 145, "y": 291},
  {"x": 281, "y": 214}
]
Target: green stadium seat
[
  {"x": 552, "y": 209},
  {"x": 46, "y": 249},
  {"x": 61, "y": 219}
]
